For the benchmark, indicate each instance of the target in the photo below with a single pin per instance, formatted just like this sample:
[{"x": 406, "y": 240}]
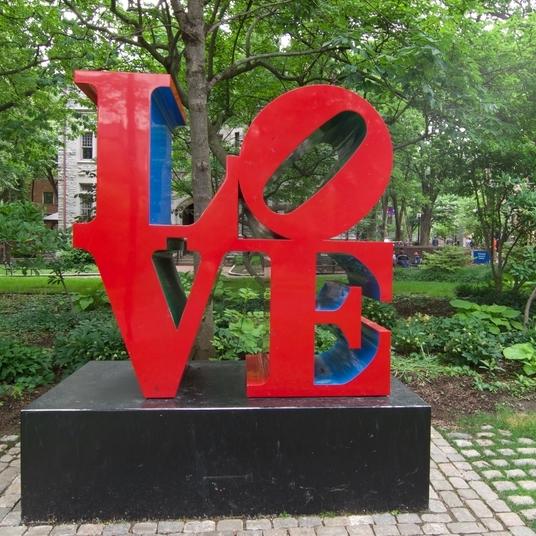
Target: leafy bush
[
  {"x": 456, "y": 340},
  {"x": 24, "y": 366},
  {"x": 486, "y": 295},
  {"x": 524, "y": 353},
  {"x": 78, "y": 257},
  {"x": 237, "y": 334},
  {"x": 469, "y": 341},
  {"x": 382, "y": 313},
  {"x": 449, "y": 258},
  {"x": 498, "y": 316},
  {"x": 242, "y": 299},
  {"x": 90, "y": 299},
  {"x": 413, "y": 336},
  {"x": 89, "y": 340},
  {"x": 469, "y": 274},
  {"x": 325, "y": 338}
]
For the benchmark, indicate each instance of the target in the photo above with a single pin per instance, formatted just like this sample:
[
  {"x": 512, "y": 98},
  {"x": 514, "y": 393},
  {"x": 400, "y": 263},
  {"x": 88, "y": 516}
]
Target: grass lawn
[
  {"x": 425, "y": 288},
  {"x": 428, "y": 288},
  {"x": 39, "y": 284}
]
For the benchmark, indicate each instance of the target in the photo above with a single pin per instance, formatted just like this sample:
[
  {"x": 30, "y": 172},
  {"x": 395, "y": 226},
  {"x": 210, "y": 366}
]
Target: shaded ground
[
  {"x": 408, "y": 306},
  {"x": 11, "y": 407},
  {"x": 452, "y": 398}
]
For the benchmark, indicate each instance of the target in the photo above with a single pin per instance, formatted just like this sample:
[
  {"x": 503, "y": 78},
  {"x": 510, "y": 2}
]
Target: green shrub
[
  {"x": 468, "y": 274},
  {"x": 469, "y": 341},
  {"x": 243, "y": 299},
  {"x": 90, "y": 299},
  {"x": 382, "y": 313},
  {"x": 413, "y": 335},
  {"x": 499, "y": 317},
  {"x": 461, "y": 341},
  {"x": 89, "y": 340},
  {"x": 24, "y": 367},
  {"x": 523, "y": 353},
  {"x": 325, "y": 338},
  {"x": 449, "y": 258},
  {"x": 486, "y": 295},
  {"x": 35, "y": 318},
  {"x": 237, "y": 334},
  {"x": 78, "y": 257}
]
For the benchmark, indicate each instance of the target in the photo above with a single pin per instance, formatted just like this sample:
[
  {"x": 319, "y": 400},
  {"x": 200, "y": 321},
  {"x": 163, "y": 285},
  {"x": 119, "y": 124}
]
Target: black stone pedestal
[{"x": 92, "y": 447}]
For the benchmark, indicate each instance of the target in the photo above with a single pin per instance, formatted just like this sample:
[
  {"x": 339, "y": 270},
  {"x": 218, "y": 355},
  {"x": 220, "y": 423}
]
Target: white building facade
[{"x": 77, "y": 178}]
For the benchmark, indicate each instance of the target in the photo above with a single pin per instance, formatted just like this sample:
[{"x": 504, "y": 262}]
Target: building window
[
  {"x": 48, "y": 198},
  {"x": 87, "y": 202},
  {"x": 87, "y": 146}
]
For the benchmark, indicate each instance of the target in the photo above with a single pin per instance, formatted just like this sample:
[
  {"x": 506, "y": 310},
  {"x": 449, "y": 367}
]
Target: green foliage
[
  {"x": 325, "y": 338},
  {"x": 467, "y": 275},
  {"x": 23, "y": 232},
  {"x": 255, "y": 260},
  {"x": 486, "y": 294},
  {"x": 454, "y": 340},
  {"x": 21, "y": 228},
  {"x": 449, "y": 259},
  {"x": 467, "y": 341},
  {"x": 382, "y": 313},
  {"x": 41, "y": 46},
  {"x": 89, "y": 340},
  {"x": 90, "y": 299},
  {"x": 24, "y": 366},
  {"x": 240, "y": 323},
  {"x": 524, "y": 353},
  {"x": 412, "y": 336},
  {"x": 237, "y": 334},
  {"x": 421, "y": 368},
  {"x": 34, "y": 319},
  {"x": 77, "y": 258},
  {"x": 244, "y": 299},
  {"x": 498, "y": 316}
]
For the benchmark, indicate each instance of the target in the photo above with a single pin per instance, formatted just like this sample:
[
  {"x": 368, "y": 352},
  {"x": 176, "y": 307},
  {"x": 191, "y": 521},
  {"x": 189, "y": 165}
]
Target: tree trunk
[
  {"x": 399, "y": 210},
  {"x": 385, "y": 206},
  {"x": 426, "y": 225},
  {"x": 192, "y": 25}
]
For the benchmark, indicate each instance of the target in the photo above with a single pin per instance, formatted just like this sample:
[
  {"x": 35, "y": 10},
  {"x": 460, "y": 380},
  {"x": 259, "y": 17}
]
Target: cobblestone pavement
[{"x": 461, "y": 502}]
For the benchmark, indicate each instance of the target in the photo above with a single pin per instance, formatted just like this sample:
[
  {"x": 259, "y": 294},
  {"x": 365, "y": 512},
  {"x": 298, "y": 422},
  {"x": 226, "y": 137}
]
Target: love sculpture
[{"x": 132, "y": 239}]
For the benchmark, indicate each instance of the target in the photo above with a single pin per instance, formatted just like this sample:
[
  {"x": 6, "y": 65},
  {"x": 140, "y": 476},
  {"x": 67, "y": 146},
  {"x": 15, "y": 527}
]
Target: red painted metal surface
[{"x": 124, "y": 242}]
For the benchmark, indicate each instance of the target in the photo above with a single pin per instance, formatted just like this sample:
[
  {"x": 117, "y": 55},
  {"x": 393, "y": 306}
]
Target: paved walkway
[{"x": 461, "y": 502}]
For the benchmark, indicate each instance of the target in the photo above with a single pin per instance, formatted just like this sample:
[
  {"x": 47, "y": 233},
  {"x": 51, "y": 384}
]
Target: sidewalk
[{"x": 460, "y": 501}]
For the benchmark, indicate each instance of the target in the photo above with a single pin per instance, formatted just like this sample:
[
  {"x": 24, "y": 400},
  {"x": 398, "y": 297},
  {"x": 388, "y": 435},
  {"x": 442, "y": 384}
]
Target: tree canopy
[{"x": 453, "y": 81}]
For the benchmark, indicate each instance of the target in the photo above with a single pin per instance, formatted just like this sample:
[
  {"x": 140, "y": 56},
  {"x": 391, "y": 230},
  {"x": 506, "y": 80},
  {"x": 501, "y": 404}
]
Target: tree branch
[
  {"x": 10, "y": 104},
  {"x": 248, "y": 64},
  {"x": 246, "y": 13}
]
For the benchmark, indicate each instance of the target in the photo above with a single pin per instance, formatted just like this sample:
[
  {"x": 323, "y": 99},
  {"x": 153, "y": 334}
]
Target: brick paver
[{"x": 460, "y": 501}]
